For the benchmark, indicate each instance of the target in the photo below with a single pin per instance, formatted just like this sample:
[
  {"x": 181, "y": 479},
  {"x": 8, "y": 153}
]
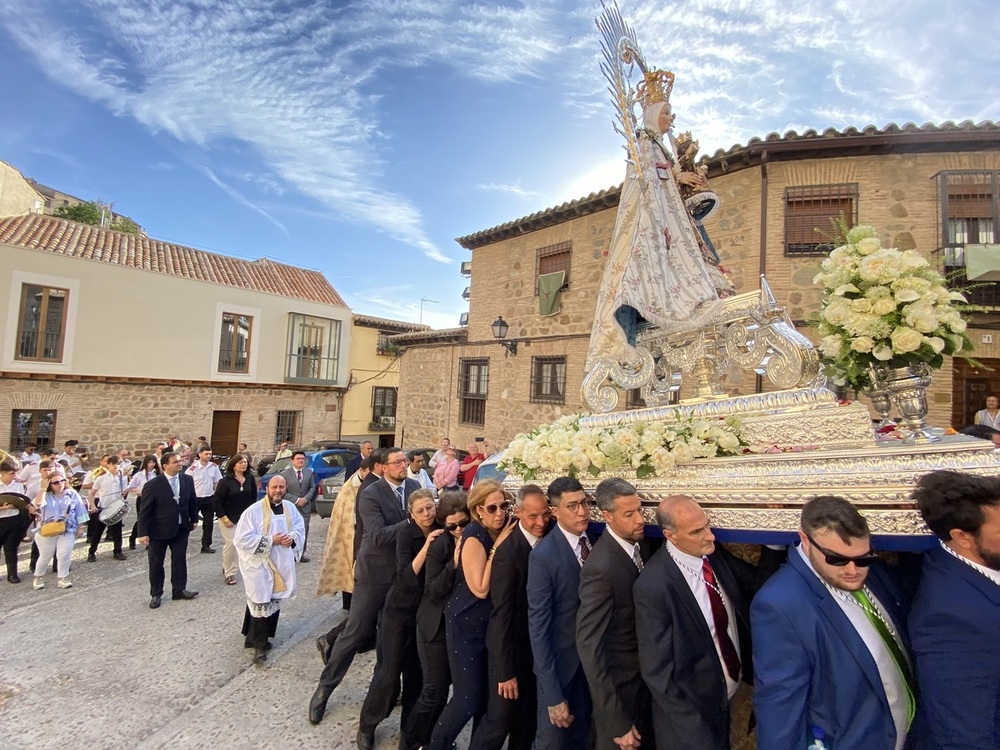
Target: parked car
[
  {"x": 327, "y": 493},
  {"x": 488, "y": 469},
  {"x": 265, "y": 460},
  {"x": 324, "y": 464}
]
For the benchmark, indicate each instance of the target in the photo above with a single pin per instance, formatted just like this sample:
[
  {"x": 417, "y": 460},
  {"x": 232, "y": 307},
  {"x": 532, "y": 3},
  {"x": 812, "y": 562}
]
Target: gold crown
[
  {"x": 683, "y": 138},
  {"x": 655, "y": 87}
]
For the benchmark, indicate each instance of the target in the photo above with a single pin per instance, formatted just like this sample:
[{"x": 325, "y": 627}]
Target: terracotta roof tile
[
  {"x": 388, "y": 324},
  {"x": 70, "y": 238}
]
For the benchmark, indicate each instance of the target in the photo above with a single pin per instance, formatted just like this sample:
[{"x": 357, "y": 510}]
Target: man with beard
[
  {"x": 955, "y": 620},
  {"x": 829, "y": 648}
]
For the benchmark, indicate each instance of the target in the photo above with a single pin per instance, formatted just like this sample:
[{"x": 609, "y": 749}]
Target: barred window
[
  {"x": 41, "y": 326},
  {"x": 288, "y": 427},
  {"x": 553, "y": 258},
  {"x": 548, "y": 380},
  {"x": 811, "y": 214},
  {"x": 969, "y": 207},
  {"x": 32, "y": 427},
  {"x": 473, "y": 386},
  {"x": 383, "y": 407},
  {"x": 234, "y": 343}
]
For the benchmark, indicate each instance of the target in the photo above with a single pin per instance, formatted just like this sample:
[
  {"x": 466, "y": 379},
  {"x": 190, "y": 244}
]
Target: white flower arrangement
[
  {"x": 647, "y": 448},
  {"x": 886, "y": 308}
]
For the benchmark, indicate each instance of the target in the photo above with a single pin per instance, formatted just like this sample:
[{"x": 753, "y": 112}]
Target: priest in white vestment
[{"x": 268, "y": 539}]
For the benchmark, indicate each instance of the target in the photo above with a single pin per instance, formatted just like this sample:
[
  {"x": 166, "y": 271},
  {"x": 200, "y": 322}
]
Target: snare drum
[{"x": 114, "y": 512}]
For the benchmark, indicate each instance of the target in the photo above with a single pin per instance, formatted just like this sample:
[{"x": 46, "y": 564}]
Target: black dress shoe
[
  {"x": 317, "y": 704},
  {"x": 91, "y": 557},
  {"x": 304, "y": 558},
  {"x": 324, "y": 648},
  {"x": 131, "y": 545},
  {"x": 120, "y": 556},
  {"x": 366, "y": 740},
  {"x": 208, "y": 550},
  {"x": 259, "y": 656},
  {"x": 154, "y": 603},
  {"x": 185, "y": 594},
  {"x": 13, "y": 578}
]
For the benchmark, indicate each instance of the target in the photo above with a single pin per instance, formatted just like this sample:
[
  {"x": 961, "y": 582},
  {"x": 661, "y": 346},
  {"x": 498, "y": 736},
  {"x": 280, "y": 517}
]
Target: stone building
[
  {"x": 370, "y": 401},
  {"x": 932, "y": 188},
  {"x": 119, "y": 340}
]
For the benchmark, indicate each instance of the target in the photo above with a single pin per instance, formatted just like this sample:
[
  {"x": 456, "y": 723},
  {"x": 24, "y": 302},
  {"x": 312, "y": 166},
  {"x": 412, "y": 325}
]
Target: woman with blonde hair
[{"x": 468, "y": 611}]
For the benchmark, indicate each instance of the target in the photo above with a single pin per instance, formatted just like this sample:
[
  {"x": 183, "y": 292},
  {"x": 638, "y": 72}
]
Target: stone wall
[
  {"x": 897, "y": 195},
  {"x": 106, "y": 415}
]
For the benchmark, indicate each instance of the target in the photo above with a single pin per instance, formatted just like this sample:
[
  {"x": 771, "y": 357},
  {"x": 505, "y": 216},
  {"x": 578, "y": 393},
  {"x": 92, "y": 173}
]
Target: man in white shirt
[
  {"x": 30, "y": 455},
  {"x": 439, "y": 453},
  {"x": 416, "y": 471},
  {"x": 206, "y": 476},
  {"x": 692, "y": 629},
  {"x": 829, "y": 649},
  {"x": 69, "y": 456}
]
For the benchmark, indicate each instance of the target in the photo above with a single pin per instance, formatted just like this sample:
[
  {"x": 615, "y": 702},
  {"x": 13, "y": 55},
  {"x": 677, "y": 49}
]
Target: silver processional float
[{"x": 667, "y": 316}]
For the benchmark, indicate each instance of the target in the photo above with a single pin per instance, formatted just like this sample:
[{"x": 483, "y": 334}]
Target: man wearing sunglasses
[
  {"x": 829, "y": 645},
  {"x": 955, "y": 620}
]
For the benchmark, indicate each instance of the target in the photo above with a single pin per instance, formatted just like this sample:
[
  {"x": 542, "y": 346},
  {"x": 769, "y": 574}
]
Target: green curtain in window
[{"x": 549, "y": 285}]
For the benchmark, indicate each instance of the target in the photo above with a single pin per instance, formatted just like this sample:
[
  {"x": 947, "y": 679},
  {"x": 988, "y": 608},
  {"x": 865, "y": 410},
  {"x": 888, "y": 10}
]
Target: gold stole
[{"x": 279, "y": 582}]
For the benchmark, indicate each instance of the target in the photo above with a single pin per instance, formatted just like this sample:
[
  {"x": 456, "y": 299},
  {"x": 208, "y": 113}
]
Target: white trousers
[
  {"x": 61, "y": 546},
  {"x": 230, "y": 560}
]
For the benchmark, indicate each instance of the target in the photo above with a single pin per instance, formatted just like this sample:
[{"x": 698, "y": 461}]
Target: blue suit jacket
[
  {"x": 955, "y": 627},
  {"x": 553, "y": 601},
  {"x": 813, "y": 669}
]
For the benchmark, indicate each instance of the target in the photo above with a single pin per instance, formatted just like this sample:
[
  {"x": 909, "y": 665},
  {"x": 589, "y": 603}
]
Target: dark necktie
[
  {"x": 721, "y": 619},
  {"x": 298, "y": 473},
  {"x": 637, "y": 558},
  {"x": 402, "y": 500},
  {"x": 584, "y": 549}
]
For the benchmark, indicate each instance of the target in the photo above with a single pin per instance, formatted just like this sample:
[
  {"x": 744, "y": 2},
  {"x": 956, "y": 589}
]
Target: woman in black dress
[
  {"x": 236, "y": 492},
  {"x": 396, "y": 650},
  {"x": 468, "y": 611},
  {"x": 439, "y": 581}
]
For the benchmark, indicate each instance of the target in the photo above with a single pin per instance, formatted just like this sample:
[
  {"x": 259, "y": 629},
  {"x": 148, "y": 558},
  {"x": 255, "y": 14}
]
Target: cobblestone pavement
[{"x": 93, "y": 667}]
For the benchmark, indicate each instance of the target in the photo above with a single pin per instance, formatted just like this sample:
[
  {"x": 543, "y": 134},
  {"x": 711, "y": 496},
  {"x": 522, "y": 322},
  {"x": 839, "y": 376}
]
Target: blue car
[{"x": 324, "y": 464}]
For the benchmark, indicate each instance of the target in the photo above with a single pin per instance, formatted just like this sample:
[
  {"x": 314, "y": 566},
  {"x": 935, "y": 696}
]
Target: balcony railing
[
  {"x": 382, "y": 424},
  {"x": 306, "y": 368}
]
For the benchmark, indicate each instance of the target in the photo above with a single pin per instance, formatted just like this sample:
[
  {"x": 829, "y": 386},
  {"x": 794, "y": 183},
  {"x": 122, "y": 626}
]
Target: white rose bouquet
[
  {"x": 884, "y": 307},
  {"x": 647, "y": 449}
]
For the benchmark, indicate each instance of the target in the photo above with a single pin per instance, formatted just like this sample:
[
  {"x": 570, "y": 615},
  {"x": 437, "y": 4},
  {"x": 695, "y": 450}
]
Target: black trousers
[
  {"x": 577, "y": 737},
  {"x": 157, "y": 554},
  {"x": 362, "y": 624},
  {"x": 467, "y": 660},
  {"x": 12, "y": 531},
  {"x": 396, "y": 656},
  {"x": 135, "y": 526},
  {"x": 207, "y": 511},
  {"x": 516, "y": 718},
  {"x": 416, "y": 730},
  {"x": 258, "y": 630},
  {"x": 95, "y": 529}
]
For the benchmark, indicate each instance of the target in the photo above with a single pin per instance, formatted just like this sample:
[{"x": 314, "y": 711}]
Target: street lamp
[{"x": 500, "y": 328}]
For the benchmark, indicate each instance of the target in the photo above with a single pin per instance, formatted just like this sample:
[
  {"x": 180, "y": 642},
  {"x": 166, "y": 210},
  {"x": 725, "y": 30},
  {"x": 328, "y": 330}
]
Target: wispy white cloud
[
  {"x": 242, "y": 199},
  {"x": 515, "y": 190},
  {"x": 295, "y": 83},
  {"x": 60, "y": 155}
]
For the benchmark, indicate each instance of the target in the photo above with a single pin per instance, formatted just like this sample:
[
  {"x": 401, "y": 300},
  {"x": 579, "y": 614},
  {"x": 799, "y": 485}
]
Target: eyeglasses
[
  {"x": 493, "y": 507},
  {"x": 839, "y": 561},
  {"x": 575, "y": 507},
  {"x": 397, "y": 462},
  {"x": 459, "y": 525}
]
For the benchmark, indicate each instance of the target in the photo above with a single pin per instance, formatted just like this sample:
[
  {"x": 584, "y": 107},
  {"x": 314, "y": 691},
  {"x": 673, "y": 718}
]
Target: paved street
[{"x": 94, "y": 667}]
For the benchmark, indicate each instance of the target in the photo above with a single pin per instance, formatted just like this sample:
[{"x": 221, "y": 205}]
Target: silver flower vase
[
  {"x": 907, "y": 389},
  {"x": 883, "y": 405}
]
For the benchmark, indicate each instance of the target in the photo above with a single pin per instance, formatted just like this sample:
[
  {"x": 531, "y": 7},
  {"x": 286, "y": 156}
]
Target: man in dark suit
[
  {"x": 168, "y": 512},
  {"x": 512, "y": 705},
  {"x": 553, "y": 599},
  {"x": 955, "y": 620},
  {"x": 382, "y": 509},
  {"x": 692, "y": 628},
  {"x": 301, "y": 490},
  {"x": 828, "y": 642},
  {"x": 605, "y": 624}
]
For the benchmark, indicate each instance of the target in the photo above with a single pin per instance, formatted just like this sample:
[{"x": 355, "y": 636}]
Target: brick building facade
[{"x": 774, "y": 192}]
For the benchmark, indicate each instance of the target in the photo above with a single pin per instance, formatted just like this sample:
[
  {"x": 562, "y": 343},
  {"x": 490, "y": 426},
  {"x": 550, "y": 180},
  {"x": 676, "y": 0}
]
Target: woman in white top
[
  {"x": 990, "y": 416},
  {"x": 149, "y": 469}
]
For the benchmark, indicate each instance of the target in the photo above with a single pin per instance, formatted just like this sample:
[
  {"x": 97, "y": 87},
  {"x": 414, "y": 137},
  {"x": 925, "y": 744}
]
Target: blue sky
[{"x": 361, "y": 138}]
